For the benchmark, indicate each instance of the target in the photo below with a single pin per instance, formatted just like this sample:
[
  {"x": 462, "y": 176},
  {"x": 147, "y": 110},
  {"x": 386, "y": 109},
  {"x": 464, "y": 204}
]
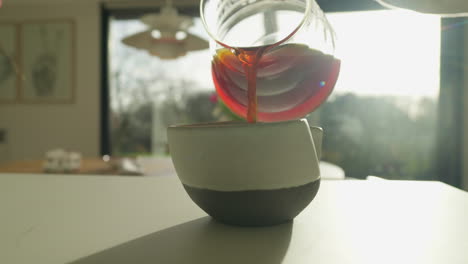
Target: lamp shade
[
  {"x": 167, "y": 36},
  {"x": 167, "y": 45},
  {"x": 439, "y": 7}
]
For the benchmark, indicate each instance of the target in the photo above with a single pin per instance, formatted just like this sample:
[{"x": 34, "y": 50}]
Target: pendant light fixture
[{"x": 167, "y": 36}]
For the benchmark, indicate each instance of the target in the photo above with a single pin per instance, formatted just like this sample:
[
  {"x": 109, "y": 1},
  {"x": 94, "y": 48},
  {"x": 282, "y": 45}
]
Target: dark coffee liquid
[{"x": 271, "y": 84}]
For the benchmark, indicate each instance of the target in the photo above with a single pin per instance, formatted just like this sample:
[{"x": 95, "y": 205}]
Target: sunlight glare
[{"x": 393, "y": 53}]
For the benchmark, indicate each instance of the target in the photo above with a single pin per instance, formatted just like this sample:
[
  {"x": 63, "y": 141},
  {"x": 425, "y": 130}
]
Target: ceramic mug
[{"x": 248, "y": 174}]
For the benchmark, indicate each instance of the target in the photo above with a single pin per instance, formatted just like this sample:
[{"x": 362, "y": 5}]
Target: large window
[
  {"x": 148, "y": 93},
  {"x": 380, "y": 120}
]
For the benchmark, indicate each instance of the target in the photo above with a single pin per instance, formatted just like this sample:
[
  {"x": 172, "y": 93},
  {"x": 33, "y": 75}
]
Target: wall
[{"x": 35, "y": 128}]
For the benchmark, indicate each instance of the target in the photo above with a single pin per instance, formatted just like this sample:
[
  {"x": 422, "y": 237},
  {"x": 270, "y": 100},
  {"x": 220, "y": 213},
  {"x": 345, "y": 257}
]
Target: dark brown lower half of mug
[{"x": 257, "y": 207}]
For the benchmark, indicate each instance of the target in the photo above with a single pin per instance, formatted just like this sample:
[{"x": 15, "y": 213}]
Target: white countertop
[{"x": 114, "y": 219}]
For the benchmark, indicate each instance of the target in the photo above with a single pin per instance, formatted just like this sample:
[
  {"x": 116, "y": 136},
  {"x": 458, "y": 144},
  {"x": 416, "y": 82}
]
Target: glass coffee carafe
[{"x": 273, "y": 60}]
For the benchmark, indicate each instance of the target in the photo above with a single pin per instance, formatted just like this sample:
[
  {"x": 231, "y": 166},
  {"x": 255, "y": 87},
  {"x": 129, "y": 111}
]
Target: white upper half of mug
[{"x": 240, "y": 156}]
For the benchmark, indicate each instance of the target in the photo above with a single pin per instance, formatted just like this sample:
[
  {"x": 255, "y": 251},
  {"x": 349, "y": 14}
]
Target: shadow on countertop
[{"x": 201, "y": 241}]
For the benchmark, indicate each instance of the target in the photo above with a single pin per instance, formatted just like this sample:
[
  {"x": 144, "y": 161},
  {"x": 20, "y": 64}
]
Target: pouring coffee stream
[{"x": 249, "y": 59}]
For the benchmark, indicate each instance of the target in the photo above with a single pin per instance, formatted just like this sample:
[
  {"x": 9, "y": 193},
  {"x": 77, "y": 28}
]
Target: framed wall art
[
  {"x": 47, "y": 61},
  {"x": 8, "y": 62}
]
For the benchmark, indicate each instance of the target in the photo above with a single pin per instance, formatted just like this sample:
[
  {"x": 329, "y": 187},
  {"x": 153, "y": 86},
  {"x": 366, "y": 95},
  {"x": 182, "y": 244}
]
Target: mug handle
[{"x": 317, "y": 136}]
